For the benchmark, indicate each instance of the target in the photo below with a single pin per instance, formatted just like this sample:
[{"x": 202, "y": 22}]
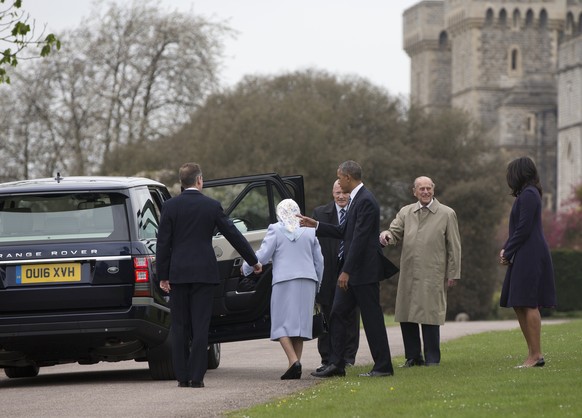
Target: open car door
[{"x": 241, "y": 309}]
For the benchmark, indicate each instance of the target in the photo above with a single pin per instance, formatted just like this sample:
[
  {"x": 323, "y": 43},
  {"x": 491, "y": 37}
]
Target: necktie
[
  {"x": 340, "y": 252},
  {"x": 423, "y": 212}
]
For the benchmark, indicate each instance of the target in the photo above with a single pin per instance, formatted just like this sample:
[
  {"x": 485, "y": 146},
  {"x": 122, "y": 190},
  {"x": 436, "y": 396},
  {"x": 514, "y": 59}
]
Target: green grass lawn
[{"x": 476, "y": 378}]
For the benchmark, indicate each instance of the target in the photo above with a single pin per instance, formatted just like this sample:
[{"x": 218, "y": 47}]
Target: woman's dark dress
[{"x": 529, "y": 281}]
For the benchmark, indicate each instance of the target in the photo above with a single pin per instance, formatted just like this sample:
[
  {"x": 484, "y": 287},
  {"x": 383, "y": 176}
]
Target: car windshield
[{"x": 66, "y": 216}]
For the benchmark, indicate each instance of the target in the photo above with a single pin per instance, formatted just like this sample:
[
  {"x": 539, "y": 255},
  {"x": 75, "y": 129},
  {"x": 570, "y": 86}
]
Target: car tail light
[{"x": 143, "y": 267}]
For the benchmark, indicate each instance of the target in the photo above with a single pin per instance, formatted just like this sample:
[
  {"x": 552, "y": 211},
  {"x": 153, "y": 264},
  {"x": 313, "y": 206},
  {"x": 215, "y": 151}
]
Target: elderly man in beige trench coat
[{"x": 430, "y": 262}]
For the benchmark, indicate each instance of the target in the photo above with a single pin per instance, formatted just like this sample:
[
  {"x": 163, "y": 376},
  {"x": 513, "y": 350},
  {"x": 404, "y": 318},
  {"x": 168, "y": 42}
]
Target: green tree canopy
[{"x": 308, "y": 122}]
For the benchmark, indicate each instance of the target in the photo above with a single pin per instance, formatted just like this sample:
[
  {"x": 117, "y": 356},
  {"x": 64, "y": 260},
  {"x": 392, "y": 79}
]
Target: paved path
[
  {"x": 249, "y": 374},
  {"x": 271, "y": 353}
]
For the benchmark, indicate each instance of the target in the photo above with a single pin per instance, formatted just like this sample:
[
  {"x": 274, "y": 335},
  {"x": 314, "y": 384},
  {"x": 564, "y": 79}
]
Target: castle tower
[
  {"x": 427, "y": 45},
  {"x": 503, "y": 59}
]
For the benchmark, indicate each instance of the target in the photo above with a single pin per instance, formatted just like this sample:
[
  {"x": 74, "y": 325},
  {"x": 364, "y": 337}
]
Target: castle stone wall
[
  {"x": 569, "y": 149},
  {"x": 502, "y": 63}
]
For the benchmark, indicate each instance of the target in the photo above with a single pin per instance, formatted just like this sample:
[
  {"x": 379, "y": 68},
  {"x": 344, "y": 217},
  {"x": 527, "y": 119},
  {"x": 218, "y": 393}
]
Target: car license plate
[{"x": 48, "y": 273}]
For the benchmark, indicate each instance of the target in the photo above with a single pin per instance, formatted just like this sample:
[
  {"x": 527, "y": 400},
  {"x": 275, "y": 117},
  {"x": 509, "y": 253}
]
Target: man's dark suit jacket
[
  {"x": 363, "y": 261},
  {"x": 184, "y": 247},
  {"x": 329, "y": 249}
]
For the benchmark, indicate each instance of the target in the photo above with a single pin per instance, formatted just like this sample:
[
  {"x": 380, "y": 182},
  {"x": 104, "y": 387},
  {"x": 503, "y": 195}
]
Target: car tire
[
  {"x": 160, "y": 361},
  {"x": 17, "y": 372},
  {"x": 213, "y": 356}
]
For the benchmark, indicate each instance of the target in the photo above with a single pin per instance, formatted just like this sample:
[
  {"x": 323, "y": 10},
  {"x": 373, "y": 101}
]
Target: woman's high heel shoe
[
  {"x": 293, "y": 372},
  {"x": 539, "y": 363}
]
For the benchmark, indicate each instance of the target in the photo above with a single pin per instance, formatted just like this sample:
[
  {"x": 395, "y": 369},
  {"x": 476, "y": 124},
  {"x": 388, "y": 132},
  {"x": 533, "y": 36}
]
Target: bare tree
[{"x": 126, "y": 76}]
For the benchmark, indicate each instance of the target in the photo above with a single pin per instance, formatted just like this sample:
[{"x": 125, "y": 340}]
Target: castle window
[
  {"x": 569, "y": 24},
  {"x": 543, "y": 19},
  {"x": 443, "y": 40},
  {"x": 489, "y": 17},
  {"x": 530, "y": 123},
  {"x": 502, "y": 18},
  {"x": 516, "y": 19},
  {"x": 529, "y": 18},
  {"x": 514, "y": 61}
]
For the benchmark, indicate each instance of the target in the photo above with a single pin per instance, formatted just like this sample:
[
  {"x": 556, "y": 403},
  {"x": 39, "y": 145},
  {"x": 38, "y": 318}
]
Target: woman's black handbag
[{"x": 319, "y": 322}]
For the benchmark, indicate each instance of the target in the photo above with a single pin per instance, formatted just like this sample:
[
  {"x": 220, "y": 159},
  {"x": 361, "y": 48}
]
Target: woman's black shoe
[
  {"x": 293, "y": 372},
  {"x": 539, "y": 363}
]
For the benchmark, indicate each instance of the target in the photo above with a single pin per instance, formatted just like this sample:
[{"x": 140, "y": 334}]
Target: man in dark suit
[
  {"x": 187, "y": 269},
  {"x": 332, "y": 213},
  {"x": 360, "y": 273}
]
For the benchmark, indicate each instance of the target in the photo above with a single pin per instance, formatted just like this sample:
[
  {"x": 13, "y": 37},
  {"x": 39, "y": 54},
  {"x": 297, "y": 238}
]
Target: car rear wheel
[
  {"x": 213, "y": 356},
  {"x": 160, "y": 361},
  {"x": 26, "y": 371}
]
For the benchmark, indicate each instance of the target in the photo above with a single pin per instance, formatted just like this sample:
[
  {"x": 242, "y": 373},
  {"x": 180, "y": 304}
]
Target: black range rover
[{"x": 77, "y": 265}]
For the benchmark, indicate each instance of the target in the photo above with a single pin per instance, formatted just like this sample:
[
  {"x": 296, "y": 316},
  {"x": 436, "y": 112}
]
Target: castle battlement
[{"x": 504, "y": 61}]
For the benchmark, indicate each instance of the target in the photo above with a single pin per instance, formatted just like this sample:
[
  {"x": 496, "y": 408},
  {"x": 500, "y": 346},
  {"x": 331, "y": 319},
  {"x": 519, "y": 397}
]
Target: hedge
[{"x": 568, "y": 275}]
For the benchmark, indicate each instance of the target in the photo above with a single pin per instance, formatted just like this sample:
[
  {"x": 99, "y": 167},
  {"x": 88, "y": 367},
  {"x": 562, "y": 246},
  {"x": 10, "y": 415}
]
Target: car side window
[
  {"x": 148, "y": 213},
  {"x": 247, "y": 205},
  {"x": 252, "y": 212}
]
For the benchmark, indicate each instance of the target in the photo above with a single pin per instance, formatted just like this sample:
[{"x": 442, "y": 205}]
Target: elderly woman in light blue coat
[{"x": 297, "y": 272}]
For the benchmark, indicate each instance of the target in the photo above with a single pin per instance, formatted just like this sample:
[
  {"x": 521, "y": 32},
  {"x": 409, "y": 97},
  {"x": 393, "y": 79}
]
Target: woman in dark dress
[{"x": 529, "y": 280}]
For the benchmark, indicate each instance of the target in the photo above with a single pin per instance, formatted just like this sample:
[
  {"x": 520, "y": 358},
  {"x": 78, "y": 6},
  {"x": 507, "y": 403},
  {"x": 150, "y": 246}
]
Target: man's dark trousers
[
  {"x": 412, "y": 343},
  {"x": 367, "y": 298},
  {"x": 190, "y": 300}
]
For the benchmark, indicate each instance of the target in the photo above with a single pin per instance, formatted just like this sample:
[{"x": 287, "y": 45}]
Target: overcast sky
[{"x": 362, "y": 37}]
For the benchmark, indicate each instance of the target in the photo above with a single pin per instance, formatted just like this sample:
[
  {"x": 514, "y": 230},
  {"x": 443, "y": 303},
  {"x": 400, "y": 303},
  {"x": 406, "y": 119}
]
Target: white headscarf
[{"x": 287, "y": 211}]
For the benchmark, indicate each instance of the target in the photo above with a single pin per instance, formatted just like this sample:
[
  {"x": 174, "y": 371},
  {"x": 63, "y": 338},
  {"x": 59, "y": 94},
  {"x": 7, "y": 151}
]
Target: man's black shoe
[
  {"x": 197, "y": 384},
  {"x": 330, "y": 371},
  {"x": 185, "y": 384},
  {"x": 322, "y": 367},
  {"x": 413, "y": 362},
  {"x": 375, "y": 373}
]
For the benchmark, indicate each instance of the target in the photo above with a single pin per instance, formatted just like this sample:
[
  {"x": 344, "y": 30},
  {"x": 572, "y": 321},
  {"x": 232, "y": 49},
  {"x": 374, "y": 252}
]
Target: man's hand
[
  {"x": 307, "y": 221},
  {"x": 342, "y": 280},
  {"x": 165, "y": 285},
  {"x": 385, "y": 238},
  {"x": 257, "y": 268},
  {"x": 451, "y": 282}
]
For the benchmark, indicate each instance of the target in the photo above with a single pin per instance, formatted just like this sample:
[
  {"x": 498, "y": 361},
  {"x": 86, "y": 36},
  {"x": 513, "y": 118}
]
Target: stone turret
[
  {"x": 426, "y": 42},
  {"x": 498, "y": 60}
]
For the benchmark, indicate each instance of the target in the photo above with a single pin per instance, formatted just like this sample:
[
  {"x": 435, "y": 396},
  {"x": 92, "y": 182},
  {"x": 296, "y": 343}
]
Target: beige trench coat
[{"x": 431, "y": 254}]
